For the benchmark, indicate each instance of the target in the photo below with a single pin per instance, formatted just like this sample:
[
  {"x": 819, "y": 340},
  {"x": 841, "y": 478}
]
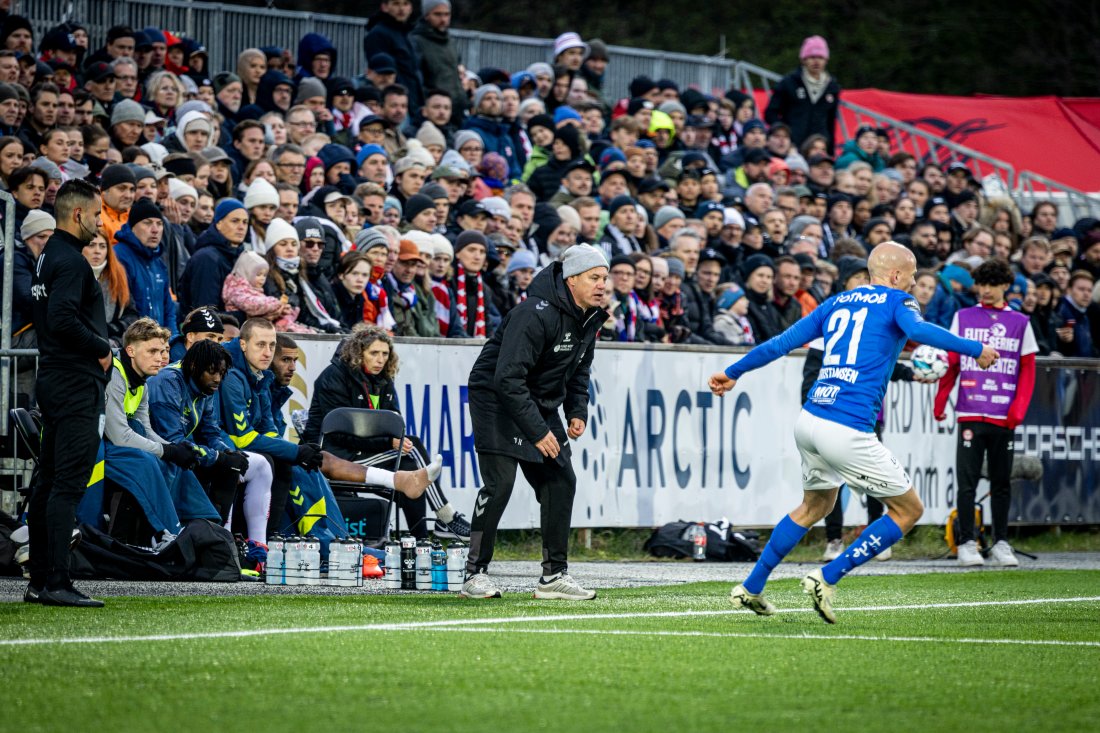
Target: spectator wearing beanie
[
  {"x": 494, "y": 132},
  {"x": 261, "y": 201},
  {"x": 758, "y": 277},
  {"x": 420, "y": 213},
  {"x": 476, "y": 314},
  {"x": 117, "y": 183},
  {"x": 216, "y": 251},
  {"x": 139, "y": 250},
  {"x": 37, "y": 228},
  {"x": 284, "y": 275},
  {"x": 807, "y": 99},
  {"x": 127, "y": 124},
  {"x": 618, "y": 236},
  {"x": 313, "y": 238}
]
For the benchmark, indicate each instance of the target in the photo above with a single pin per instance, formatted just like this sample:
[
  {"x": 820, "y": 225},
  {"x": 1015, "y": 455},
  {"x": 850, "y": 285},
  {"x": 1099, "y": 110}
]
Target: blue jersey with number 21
[{"x": 864, "y": 330}]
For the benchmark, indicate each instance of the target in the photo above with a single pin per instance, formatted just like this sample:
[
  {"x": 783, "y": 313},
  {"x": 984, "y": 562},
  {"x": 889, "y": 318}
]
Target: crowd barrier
[{"x": 660, "y": 447}]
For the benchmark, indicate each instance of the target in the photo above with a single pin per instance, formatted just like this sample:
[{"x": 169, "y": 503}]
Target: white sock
[
  {"x": 257, "y": 497},
  {"x": 378, "y": 477},
  {"x": 435, "y": 468},
  {"x": 445, "y": 513}
]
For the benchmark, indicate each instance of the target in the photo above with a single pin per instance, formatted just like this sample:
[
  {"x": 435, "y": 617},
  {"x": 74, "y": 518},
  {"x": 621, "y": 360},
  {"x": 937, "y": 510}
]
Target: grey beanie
[
  {"x": 672, "y": 106},
  {"x": 309, "y": 88},
  {"x": 368, "y": 239},
  {"x": 665, "y": 214},
  {"x": 466, "y": 136},
  {"x": 127, "y": 110},
  {"x": 581, "y": 258},
  {"x": 427, "y": 6},
  {"x": 481, "y": 91},
  {"x": 676, "y": 266}
]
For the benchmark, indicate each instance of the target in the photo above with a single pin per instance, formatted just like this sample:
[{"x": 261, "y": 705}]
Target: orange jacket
[{"x": 112, "y": 221}]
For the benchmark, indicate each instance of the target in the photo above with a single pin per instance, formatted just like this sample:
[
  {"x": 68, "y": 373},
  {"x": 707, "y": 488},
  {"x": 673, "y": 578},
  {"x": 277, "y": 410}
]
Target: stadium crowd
[
  {"x": 422, "y": 196},
  {"x": 420, "y": 199}
]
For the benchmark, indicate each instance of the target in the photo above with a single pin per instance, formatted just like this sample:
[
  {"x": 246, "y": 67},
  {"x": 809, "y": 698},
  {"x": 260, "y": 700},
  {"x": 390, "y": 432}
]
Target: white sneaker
[
  {"x": 969, "y": 555},
  {"x": 755, "y": 602},
  {"x": 479, "y": 586},
  {"x": 833, "y": 550},
  {"x": 885, "y": 554},
  {"x": 1002, "y": 555},
  {"x": 822, "y": 595},
  {"x": 563, "y": 588}
]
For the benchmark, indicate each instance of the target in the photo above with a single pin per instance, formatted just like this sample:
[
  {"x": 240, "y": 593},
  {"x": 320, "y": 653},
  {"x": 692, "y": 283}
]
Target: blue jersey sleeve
[
  {"x": 908, "y": 318},
  {"x": 804, "y": 331}
]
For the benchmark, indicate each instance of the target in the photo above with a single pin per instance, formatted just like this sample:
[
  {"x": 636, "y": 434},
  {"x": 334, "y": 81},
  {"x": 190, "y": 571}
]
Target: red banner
[{"x": 1056, "y": 138}]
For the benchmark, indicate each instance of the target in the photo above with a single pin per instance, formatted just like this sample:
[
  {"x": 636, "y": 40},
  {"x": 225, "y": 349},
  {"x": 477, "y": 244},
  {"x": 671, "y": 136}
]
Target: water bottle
[
  {"x": 456, "y": 566},
  {"x": 439, "y": 566},
  {"x": 293, "y": 571},
  {"x": 338, "y": 563},
  {"x": 276, "y": 561},
  {"x": 354, "y": 548},
  {"x": 408, "y": 562},
  {"x": 698, "y": 542},
  {"x": 423, "y": 565},
  {"x": 393, "y": 565},
  {"x": 311, "y": 565}
]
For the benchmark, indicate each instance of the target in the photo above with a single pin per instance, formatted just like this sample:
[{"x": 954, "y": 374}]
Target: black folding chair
[
  {"x": 29, "y": 428},
  {"x": 361, "y": 423}
]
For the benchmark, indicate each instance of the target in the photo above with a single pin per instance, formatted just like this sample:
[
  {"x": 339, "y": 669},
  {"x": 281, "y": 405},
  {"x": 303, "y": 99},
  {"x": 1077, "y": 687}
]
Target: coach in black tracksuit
[
  {"x": 72, "y": 376},
  {"x": 537, "y": 362}
]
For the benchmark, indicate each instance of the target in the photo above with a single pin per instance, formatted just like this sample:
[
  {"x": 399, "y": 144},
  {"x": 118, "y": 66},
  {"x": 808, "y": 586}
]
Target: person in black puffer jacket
[{"x": 361, "y": 376}]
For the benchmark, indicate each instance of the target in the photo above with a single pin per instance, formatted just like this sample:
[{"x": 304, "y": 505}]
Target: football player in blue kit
[{"x": 864, "y": 331}]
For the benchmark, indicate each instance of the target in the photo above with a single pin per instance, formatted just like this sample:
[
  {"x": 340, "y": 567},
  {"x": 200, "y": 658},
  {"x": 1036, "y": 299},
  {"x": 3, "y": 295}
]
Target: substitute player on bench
[{"x": 864, "y": 331}]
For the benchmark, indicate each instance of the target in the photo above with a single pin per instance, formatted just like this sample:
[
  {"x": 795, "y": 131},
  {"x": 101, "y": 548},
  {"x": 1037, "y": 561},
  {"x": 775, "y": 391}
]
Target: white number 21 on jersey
[{"x": 837, "y": 327}]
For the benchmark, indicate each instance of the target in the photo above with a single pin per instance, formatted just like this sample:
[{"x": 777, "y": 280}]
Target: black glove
[
  {"x": 309, "y": 456},
  {"x": 232, "y": 460},
  {"x": 179, "y": 454}
]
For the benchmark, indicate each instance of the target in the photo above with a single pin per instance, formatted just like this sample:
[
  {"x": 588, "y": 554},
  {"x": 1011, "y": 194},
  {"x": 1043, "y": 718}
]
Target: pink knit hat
[{"x": 814, "y": 46}]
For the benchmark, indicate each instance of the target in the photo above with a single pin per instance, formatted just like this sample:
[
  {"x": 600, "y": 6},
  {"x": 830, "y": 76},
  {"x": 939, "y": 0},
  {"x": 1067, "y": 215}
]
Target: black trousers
[
  {"x": 834, "y": 521},
  {"x": 555, "y": 487},
  {"x": 221, "y": 486},
  {"x": 72, "y": 416},
  {"x": 978, "y": 441},
  {"x": 282, "y": 478}
]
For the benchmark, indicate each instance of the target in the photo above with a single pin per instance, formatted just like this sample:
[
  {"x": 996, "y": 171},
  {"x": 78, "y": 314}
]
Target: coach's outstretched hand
[
  {"x": 576, "y": 428},
  {"x": 549, "y": 446},
  {"x": 719, "y": 383},
  {"x": 988, "y": 357}
]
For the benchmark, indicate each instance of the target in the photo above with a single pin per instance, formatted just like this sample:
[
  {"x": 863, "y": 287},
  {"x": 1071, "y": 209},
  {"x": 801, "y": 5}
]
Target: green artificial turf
[{"x": 642, "y": 673}]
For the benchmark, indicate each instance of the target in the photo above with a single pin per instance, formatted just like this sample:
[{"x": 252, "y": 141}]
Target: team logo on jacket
[
  {"x": 542, "y": 305},
  {"x": 566, "y": 344}
]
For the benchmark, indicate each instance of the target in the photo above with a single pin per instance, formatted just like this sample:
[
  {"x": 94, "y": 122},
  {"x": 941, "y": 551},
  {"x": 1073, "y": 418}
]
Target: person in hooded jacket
[
  {"x": 537, "y": 363},
  {"x": 216, "y": 252},
  {"x": 545, "y": 180},
  {"x": 494, "y": 132},
  {"x": 275, "y": 92},
  {"x": 758, "y": 276},
  {"x": 388, "y": 32},
  {"x": 310, "y": 47},
  {"x": 139, "y": 250}
]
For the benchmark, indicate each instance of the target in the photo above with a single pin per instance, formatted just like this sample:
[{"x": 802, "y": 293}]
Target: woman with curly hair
[{"x": 361, "y": 375}]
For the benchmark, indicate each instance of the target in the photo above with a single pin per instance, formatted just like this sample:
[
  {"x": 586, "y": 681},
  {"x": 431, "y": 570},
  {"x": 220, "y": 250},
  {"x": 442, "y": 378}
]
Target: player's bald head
[{"x": 888, "y": 257}]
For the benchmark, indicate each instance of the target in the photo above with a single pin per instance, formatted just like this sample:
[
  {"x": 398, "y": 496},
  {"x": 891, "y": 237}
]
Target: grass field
[{"x": 989, "y": 651}]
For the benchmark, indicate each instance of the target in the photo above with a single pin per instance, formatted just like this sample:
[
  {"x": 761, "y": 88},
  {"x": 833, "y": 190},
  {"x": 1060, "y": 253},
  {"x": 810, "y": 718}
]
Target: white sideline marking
[
  {"x": 739, "y": 635},
  {"x": 456, "y": 624}
]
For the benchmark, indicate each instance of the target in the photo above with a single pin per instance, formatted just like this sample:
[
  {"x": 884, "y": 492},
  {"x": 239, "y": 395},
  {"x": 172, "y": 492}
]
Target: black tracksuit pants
[
  {"x": 834, "y": 521},
  {"x": 221, "y": 487},
  {"x": 978, "y": 441},
  {"x": 555, "y": 487},
  {"x": 72, "y": 407}
]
